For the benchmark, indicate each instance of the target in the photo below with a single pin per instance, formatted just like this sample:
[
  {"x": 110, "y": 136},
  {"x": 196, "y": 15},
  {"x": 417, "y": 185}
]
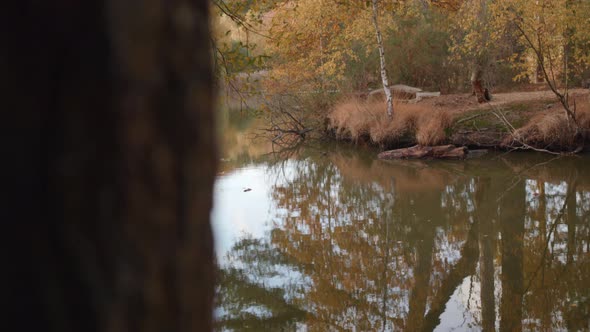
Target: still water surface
[{"x": 331, "y": 239}]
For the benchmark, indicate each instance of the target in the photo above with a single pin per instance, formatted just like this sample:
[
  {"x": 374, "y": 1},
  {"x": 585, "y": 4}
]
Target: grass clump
[
  {"x": 553, "y": 130},
  {"x": 359, "y": 119}
]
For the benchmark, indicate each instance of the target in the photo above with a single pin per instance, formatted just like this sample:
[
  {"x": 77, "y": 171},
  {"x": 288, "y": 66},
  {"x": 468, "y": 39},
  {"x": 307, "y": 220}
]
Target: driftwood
[
  {"x": 425, "y": 94},
  {"x": 426, "y": 152},
  {"x": 400, "y": 91}
]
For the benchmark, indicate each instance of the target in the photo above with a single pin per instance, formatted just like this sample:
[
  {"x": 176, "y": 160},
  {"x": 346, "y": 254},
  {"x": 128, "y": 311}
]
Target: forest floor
[
  {"x": 509, "y": 120},
  {"x": 461, "y": 103}
]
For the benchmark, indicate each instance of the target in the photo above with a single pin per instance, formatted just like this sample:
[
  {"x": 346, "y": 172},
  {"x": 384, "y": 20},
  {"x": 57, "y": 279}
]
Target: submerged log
[
  {"x": 426, "y": 152},
  {"x": 476, "y": 153}
]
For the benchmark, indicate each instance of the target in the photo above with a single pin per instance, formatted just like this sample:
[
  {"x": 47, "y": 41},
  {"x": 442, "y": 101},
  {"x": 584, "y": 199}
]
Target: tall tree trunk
[
  {"x": 479, "y": 91},
  {"x": 384, "y": 79},
  {"x": 482, "y": 58},
  {"x": 112, "y": 161}
]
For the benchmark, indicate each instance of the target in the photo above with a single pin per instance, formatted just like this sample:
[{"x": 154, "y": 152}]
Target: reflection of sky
[
  {"x": 458, "y": 314},
  {"x": 237, "y": 213},
  {"x": 463, "y": 310}
]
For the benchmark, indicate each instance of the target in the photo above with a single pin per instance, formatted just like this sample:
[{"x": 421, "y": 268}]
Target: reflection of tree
[
  {"x": 556, "y": 258},
  {"x": 376, "y": 252},
  {"x": 246, "y": 302},
  {"x": 369, "y": 248},
  {"x": 423, "y": 266},
  {"x": 237, "y": 145},
  {"x": 464, "y": 267},
  {"x": 484, "y": 212},
  {"x": 333, "y": 230},
  {"x": 238, "y": 289},
  {"x": 511, "y": 218}
]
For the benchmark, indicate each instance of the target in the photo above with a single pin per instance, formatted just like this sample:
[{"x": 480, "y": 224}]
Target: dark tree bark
[
  {"x": 111, "y": 154},
  {"x": 482, "y": 55},
  {"x": 479, "y": 91}
]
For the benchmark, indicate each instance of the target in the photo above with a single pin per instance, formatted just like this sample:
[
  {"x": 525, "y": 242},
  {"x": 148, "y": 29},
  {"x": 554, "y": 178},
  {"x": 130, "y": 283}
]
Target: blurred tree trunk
[{"x": 111, "y": 154}]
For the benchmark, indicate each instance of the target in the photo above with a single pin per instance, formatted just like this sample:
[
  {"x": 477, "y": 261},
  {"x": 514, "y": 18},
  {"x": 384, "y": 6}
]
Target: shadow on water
[{"x": 333, "y": 239}]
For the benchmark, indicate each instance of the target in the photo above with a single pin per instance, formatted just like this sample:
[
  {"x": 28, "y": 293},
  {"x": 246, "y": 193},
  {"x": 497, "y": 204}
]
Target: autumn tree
[
  {"x": 474, "y": 42},
  {"x": 238, "y": 42},
  {"x": 310, "y": 45},
  {"x": 555, "y": 34}
]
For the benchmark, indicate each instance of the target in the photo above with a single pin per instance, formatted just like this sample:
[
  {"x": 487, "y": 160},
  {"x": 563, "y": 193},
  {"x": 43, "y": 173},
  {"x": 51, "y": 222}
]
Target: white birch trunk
[{"x": 389, "y": 98}]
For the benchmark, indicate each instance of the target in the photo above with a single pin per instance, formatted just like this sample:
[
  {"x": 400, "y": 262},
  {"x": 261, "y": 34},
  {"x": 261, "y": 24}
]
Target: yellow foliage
[
  {"x": 546, "y": 28},
  {"x": 312, "y": 40}
]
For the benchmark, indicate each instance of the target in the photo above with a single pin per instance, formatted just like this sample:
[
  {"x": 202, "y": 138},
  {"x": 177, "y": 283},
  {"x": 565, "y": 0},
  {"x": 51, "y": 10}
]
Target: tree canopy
[{"x": 331, "y": 45}]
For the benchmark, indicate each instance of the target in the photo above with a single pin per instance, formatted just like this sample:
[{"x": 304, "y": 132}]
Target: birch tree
[{"x": 384, "y": 79}]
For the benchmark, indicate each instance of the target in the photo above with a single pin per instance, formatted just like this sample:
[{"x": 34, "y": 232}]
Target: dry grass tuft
[
  {"x": 352, "y": 119},
  {"x": 356, "y": 119},
  {"x": 431, "y": 130},
  {"x": 553, "y": 130}
]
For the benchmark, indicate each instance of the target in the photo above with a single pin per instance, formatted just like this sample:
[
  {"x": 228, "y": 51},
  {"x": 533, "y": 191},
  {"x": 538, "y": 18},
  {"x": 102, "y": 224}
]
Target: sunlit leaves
[
  {"x": 310, "y": 43},
  {"x": 554, "y": 33}
]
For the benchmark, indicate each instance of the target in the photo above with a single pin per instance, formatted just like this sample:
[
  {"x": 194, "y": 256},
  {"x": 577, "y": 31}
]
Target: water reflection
[{"x": 345, "y": 242}]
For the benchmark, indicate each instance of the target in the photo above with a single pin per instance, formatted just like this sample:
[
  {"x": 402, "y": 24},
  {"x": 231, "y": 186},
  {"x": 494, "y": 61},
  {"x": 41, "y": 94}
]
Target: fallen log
[
  {"x": 426, "y": 152},
  {"x": 425, "y": 94},
  {"x": 399, "y": 91}
]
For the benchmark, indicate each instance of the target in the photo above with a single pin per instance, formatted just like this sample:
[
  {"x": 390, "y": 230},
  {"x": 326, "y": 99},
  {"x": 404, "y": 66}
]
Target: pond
[{"x": 327, "y": 238}]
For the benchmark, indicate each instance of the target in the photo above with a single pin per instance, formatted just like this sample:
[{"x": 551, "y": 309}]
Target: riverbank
[{"x": 511, "y": 120}]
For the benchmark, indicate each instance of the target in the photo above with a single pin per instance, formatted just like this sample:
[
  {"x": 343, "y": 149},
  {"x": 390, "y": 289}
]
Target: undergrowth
[{"x": 527, "y": 125}]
